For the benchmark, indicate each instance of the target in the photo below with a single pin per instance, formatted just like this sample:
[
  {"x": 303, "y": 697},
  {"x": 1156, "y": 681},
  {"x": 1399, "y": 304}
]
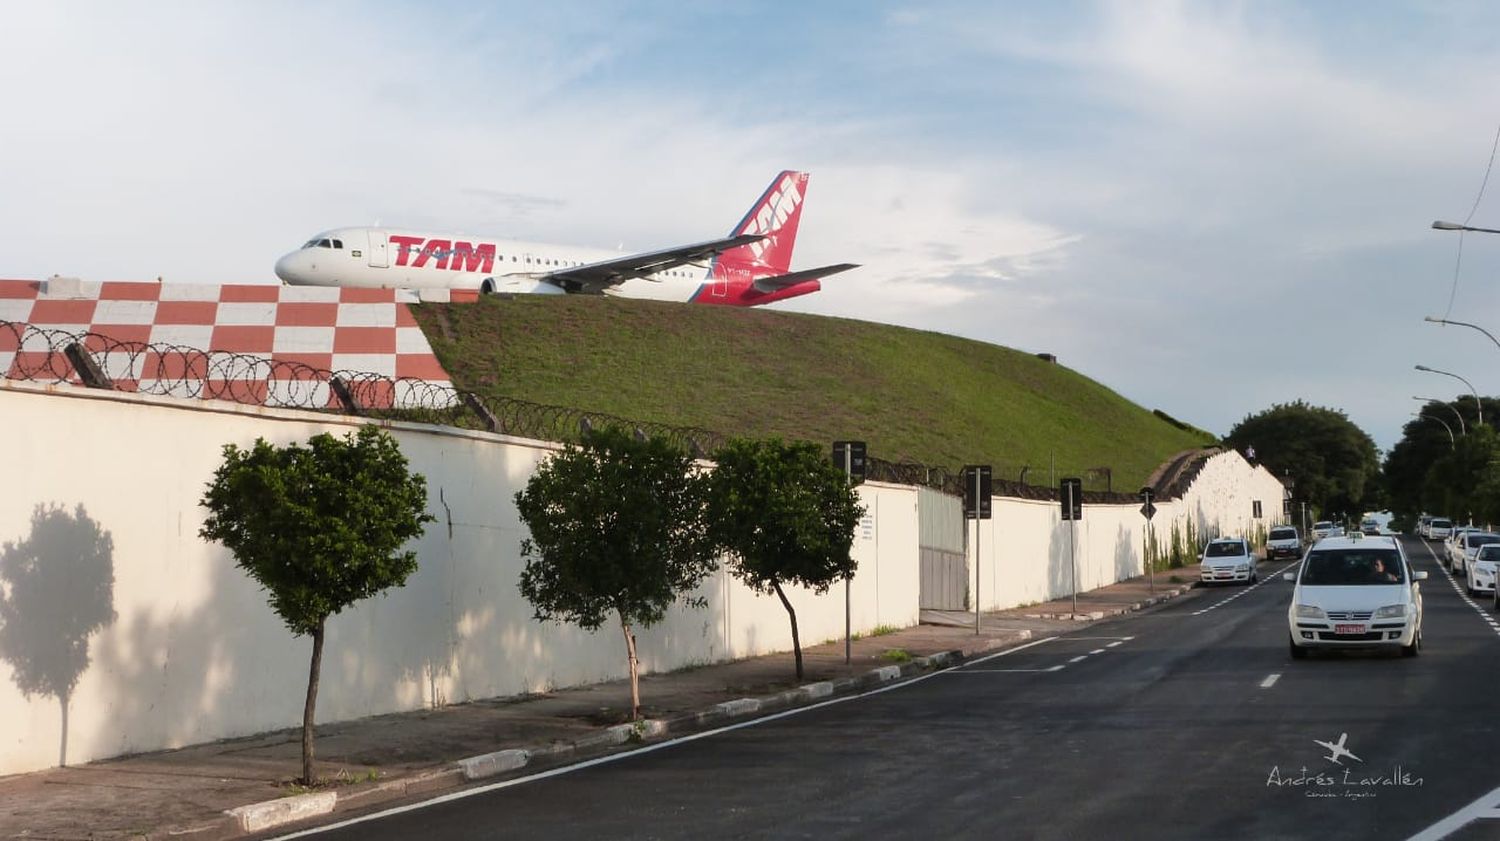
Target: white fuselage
[{"x": 382, "y": 258}]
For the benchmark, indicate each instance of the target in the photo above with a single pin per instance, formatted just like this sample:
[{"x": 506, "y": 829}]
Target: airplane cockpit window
[{"x": 338, "y": 243}]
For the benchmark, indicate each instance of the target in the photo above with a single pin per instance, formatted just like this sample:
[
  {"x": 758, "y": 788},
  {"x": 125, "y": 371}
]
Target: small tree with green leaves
[
  {"x": 319, "y": 528},
  {"x": 616, "y": 530},
  {"x": 786, "y": 515}
]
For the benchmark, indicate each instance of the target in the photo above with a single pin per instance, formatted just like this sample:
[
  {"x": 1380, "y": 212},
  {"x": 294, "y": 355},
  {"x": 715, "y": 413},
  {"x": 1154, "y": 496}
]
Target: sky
[{"x": 1210, "y": 207}]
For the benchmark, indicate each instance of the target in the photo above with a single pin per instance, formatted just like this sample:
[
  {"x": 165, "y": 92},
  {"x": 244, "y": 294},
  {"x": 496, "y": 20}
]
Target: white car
[
  {"x": 1482, "y": 570},
  {"x": 1228, "y": 560},
  {"x": 1283, "y": 542},
  {"x": 1438, "y": 528},
  {"x": 1466, "y": 546},
  {"x": 1355, "y": 592},
  {"x": 1322, "y": 529}
]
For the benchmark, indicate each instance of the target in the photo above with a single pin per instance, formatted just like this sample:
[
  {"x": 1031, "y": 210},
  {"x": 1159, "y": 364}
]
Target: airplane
[
  {"x": 1337, "y": 749},
  {"x": 751, "y": 266}
]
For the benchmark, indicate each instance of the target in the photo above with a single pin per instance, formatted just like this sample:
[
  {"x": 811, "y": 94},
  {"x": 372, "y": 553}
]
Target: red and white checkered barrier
[{"x": 367, "y": 331}]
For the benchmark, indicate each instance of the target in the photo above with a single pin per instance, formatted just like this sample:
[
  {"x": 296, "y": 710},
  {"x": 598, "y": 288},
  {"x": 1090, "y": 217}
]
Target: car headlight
[
  {"x": 1390, "y": 611},
  {"x": 1242, "y": 568},
  {"x": 1307, "y": 611}
]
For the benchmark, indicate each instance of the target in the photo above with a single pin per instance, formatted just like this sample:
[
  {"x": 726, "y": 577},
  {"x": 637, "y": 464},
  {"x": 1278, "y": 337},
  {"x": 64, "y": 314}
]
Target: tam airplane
[{"x": 751, "y": 266}]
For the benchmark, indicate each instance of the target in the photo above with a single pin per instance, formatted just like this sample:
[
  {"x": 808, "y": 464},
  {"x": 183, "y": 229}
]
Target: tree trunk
[
  {"x": 312, "y": 704},
  {"x": 62, "y": 752},
  {"x": 796, "y": 643},
  {"x": 635, "y": 686}
]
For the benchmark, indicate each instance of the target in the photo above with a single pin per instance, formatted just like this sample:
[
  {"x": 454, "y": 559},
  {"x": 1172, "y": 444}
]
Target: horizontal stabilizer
[{"x": 776, "y": 283}]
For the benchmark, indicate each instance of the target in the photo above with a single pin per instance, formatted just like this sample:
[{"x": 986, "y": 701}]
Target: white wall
[
  {"x": 1024, "y": 549},
  {"x": 193, "y": 653}
]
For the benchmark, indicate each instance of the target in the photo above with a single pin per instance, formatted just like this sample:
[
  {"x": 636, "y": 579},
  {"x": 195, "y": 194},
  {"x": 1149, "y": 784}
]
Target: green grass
[{"x": 912, "y": 395}]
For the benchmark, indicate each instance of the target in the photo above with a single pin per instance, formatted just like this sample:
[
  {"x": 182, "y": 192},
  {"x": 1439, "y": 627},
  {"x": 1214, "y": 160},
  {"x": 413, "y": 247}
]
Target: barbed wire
[{"x": 96, "y": 360}]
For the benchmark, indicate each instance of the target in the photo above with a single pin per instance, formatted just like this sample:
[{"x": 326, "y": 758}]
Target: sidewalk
[{"x": 235, "y": 788}]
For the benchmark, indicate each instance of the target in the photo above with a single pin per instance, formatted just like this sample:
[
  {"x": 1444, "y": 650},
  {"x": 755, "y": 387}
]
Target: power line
[{"x": 1459, "y": 260}]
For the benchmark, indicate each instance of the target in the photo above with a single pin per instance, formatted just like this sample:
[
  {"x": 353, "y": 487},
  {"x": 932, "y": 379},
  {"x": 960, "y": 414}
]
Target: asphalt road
[{"x": 1190, "y": 721}]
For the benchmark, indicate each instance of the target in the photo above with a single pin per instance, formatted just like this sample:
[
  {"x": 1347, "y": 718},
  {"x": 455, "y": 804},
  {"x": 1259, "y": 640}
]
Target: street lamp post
[
  {"x": 1479, "y": 407},
  {"x": 1452, "y": 442},
  {"x": 1440, "y": 225},
  {"x": 1462, "y": 430}
]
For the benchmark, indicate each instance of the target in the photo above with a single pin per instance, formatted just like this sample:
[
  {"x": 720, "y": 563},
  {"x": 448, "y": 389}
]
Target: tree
[
  {"x": 1461, "y": 482},
  {"x": 786, "y": 514},
  {"x": 1333, "y": 462},
  {"x": 616, "y": 528},
  {"x": 319, "y": 528}
]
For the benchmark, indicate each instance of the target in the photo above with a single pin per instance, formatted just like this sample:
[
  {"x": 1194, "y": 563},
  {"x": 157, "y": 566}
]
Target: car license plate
[{"x": 1348, "y": 629}]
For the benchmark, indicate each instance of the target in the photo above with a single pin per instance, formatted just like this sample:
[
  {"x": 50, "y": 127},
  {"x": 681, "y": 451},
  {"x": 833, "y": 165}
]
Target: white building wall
[{"x": 194, "y": 653}]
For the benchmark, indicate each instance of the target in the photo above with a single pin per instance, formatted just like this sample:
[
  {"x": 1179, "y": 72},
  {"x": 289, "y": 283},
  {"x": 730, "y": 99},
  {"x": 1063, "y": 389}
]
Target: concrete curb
[
  {"x": 269, "y": 814},
  {"x": 259, "y": 817}
]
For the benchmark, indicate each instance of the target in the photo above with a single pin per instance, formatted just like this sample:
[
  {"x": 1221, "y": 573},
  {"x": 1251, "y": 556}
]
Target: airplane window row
[{"x": 323, "y": 243}]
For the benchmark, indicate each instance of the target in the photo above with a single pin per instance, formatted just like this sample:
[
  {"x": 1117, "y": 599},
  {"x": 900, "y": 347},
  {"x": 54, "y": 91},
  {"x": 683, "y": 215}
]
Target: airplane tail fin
[{"x": 775, "y": 215}]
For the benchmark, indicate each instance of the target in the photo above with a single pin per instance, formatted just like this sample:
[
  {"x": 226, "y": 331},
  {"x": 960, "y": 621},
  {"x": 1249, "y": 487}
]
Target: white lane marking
[
  {"x": 1115, "y": 643},
  {"x": 1487, "y": 806},
  {"x": 1007, "y": 671},
  {"x": 616, "y": 757},
  {"x": 1462, "y": 594},
  {"x": 1270, "y": 681},
  {"x": 1097, "y": 651},
  {"x": 1079, "y": 657},
  {"x": 1263, "y": 579}
]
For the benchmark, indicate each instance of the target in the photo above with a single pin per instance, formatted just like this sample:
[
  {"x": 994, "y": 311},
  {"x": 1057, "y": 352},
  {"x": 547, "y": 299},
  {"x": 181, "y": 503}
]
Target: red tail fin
[{"x": 776, "y": 213}]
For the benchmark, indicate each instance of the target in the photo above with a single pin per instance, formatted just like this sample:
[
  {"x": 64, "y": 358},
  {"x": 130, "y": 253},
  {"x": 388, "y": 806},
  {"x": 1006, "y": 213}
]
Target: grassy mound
[{"x": 912, "y": 395}]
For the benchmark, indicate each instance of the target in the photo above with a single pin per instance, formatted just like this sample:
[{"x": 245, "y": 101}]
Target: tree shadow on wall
[{"x": 56, "y": 590}]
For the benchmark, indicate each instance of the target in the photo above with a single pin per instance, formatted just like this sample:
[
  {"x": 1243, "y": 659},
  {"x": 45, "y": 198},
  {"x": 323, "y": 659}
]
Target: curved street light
[
  {"x": 1446, "y": 321},
  {"x": 1459, "y": 226},
  {"x": 1452, "y": 442},
  {"x": 1479, "y": 407},
  {"x": 1462, "y": 430}
]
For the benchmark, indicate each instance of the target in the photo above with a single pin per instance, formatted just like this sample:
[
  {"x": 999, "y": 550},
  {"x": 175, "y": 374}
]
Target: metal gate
[{"x": 940, "y": 542}]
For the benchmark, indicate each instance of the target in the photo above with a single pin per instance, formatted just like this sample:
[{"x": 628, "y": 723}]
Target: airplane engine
[{"x": 518, "y": 284}]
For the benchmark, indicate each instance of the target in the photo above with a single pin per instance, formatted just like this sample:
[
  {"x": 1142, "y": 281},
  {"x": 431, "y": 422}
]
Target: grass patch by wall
[{"x": 912, "y": 395}]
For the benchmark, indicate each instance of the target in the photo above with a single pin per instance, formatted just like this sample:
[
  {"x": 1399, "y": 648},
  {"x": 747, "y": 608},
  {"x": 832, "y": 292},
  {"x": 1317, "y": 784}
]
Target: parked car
[
  {"x": 1228, "y": 559},
  {"x": 1422, "y": 523},
  {"x": 1438, "y": 528},
  {"x": 1283, "y": 542},
  {"x": 1451, "y": 548},
  {"x": 1482, "y": 570},
  {"x": 1355, "y": 592},
  {"x": 1466, "y": 546}
]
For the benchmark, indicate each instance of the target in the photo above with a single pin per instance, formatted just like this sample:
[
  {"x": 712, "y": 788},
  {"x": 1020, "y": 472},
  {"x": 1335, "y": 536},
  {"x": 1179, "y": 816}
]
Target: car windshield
[
  {"x": 1442, "y": 524},
  {"x": 1323, "y": 525},
  {"x": 1283, "y": 534},
  {"x": 1343, "y": 567},
  {"x": 1482, "y": 539},
  {"x": 1490, "y": 552},
  {"x": 1225, "y": 550}
]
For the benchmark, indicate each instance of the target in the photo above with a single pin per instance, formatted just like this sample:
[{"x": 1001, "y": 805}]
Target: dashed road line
[
  {"x": 1462, "y": 593},
  {"x": 1113, "y": 641},
  {"x": 1270, "y": 680},
  {"x": 1263, "y": 579}
]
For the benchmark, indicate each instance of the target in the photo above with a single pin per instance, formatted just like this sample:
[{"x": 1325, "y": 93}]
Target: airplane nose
[{"x": 286, "y": 268}]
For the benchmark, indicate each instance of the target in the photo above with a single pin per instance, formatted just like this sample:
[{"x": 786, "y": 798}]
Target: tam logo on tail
[{"x": 776, "y": 215}]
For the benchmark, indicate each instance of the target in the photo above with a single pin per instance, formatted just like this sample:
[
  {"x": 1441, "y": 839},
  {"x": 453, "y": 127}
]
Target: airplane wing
[
  {"x": 594, "y": 278},
  {"x": 782, "y": 281}
]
